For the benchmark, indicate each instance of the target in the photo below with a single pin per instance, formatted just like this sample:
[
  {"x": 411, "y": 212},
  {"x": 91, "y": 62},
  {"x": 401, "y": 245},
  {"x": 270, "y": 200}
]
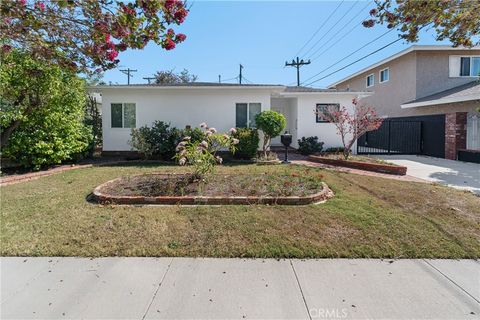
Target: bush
[
  {"x": 248, "y": 143},
  {"x": 43, "y": 107},
  {"x": 195, "y": 134},
  {"x": 335, "y": 150},
  {"x": 310, "y": 145},
  {"x": 157, "y": 141},
  {"x": 272, "y": 124}
]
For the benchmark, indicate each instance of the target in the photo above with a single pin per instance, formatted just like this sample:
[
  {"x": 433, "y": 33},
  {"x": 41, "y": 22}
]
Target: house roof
[
  {"x": 466, "y": 92},
  {"x": 192, "y": 85},
  {"x": 402, "y": 53},
  {"x": 309, "y": 89}
]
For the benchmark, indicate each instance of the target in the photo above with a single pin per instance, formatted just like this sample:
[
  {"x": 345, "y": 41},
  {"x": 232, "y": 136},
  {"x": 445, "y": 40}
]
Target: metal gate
[{"x": 393, "y": 137}]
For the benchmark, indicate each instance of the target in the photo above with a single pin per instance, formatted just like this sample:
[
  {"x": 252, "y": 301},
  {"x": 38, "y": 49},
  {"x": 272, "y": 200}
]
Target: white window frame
[
  {"x": 471, "y": 66},
  {"x": 380, "y": 75},
  {"x": 373, "y": 80},
  {"x": 248, "y": 111},
  {"x": 123, "y": 115}
]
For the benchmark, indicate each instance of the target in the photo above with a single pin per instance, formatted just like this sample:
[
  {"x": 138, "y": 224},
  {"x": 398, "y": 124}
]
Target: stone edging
[
  {"x": 101, "y": 197},
  {"x": 375, "y": 167}
]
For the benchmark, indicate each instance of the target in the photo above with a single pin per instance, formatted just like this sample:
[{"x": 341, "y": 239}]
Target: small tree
[
  {"x": 272, "y": 124},
  {"x": 351, "y": 126},
  {"x": 170, "y": 77}
]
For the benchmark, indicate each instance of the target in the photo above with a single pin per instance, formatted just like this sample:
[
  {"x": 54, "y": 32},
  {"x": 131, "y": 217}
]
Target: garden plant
[
  {"x": 309, "y": 145},
  {"x": 271, "y": 123}
]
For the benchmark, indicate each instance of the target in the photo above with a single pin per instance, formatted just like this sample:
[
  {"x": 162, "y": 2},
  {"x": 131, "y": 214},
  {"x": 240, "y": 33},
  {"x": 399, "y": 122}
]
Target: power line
[
  {"x": 328, "y": 31},
  {"x": 129, "y": 74},
  {"x": 348, "y": 65},
  {"x": 349, "y": 55},
  {"x": 335, "y": 36},
  {"x": 315, "y": 33}
]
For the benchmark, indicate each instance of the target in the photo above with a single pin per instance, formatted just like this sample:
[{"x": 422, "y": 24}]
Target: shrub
[
  {"x": 159, "y": 140},
  {"x": 309, "y": 145},
  {"x": 195, "y": 134},
  {"x": 248, "y": 143},
  {"x": 272, "y": 124},
  {"x": 203, "y": 155},
  {"x": 335, "y": 150}
]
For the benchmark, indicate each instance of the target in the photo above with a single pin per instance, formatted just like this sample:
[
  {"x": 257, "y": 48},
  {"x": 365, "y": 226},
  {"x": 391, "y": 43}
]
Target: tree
[
  {"x": 85, "y": 34},
  {"x": 272, "y": 124},
  {"x": 456, "y": 20},
  {"x": 42, "y": 112},
  {"x": 351, "y": 126},
  {"x": 170, "y": 77}
]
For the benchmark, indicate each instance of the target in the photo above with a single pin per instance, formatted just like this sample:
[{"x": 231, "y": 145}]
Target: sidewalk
[{"x": 181, "y": 288}]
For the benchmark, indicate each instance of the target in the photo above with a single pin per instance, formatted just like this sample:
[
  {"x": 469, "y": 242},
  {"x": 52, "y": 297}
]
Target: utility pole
[
  {"x": 128, "y": 72},
  {"x": 219, "y": 79},
  {"x": 240, "y": 75},
  {"x": 297, "y": 64},
  {"x": 149, "y": 79}
]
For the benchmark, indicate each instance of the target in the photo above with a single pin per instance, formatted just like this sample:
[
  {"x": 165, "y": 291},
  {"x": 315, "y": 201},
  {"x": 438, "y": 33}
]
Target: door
[{"x": 283, "y": 110}]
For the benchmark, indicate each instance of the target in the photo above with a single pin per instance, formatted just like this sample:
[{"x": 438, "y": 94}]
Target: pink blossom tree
[{"x": 351, "y": 125}]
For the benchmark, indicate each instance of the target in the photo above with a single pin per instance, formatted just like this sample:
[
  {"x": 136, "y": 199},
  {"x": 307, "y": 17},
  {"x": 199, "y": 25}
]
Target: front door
[{"x": 282, "y": 110}]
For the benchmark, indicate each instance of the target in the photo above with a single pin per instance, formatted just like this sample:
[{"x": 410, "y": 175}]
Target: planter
[
  {"x": 367, "y": 166},
  {"x": 101, "y": 195}
]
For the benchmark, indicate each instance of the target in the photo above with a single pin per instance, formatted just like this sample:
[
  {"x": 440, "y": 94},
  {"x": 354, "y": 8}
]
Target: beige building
[{"x": 428, "y": 84}]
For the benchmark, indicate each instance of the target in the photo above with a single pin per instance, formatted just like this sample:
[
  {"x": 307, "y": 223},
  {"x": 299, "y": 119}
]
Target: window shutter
[{"x": 454, "y": 66}]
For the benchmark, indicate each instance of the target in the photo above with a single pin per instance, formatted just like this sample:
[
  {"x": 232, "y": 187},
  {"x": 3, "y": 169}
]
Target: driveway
[
  {"x": 456, "y": 174},
  {"x": 185, "y": 288}
]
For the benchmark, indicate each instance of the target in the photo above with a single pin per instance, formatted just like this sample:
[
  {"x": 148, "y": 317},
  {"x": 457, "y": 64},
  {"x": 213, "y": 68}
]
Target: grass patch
[{"x": 368, "y": 217}]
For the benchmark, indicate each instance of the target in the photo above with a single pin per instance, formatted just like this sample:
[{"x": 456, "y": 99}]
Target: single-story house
[{"x": 222, "y": 106}]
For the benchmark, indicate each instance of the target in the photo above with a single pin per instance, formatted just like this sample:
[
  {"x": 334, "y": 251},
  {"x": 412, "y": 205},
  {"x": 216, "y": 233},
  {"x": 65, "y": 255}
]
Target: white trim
[
  {"x": 366, "y": 80},
  {"x": 353, "y": 93},
  {"x": 152, "y": 87},
  {"x": 380, "y": 75},
  {"x": 399, "y": 54},
  {"x": 440, "y": 101}
]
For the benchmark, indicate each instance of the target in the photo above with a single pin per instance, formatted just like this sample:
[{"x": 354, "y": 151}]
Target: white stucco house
[{"x": 222, "y": 106}]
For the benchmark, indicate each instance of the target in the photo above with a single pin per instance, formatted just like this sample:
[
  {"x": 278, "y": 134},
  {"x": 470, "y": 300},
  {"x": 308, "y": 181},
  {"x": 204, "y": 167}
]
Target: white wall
[
  {"x": 306, "y": 121},
  {"x": 180, "y": 107}
]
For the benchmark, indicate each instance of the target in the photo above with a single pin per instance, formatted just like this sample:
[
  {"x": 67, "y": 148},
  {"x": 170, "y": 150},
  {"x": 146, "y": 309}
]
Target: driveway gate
[{"x": 393, "y": 137}]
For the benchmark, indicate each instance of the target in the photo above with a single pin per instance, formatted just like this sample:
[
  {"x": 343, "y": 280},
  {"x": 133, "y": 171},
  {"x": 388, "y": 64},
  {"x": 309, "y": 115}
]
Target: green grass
[{"x": 368, "y": 217}]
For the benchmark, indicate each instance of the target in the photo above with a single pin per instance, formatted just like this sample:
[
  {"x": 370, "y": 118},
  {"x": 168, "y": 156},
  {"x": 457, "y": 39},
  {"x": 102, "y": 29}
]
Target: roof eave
[{"x": 472, "y": 97}]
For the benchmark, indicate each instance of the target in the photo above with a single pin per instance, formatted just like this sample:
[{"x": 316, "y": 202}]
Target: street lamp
[{"x": 286, "y": 140}]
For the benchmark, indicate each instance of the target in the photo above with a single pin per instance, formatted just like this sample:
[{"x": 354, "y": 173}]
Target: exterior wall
[
  {"x": 388, "y": 96},
  {"x": 180, "y": 107},
  {"x": 286, "y": 106},
  {"x": 455, "y": 133},
  {"x": 433, "y": 71},
  {"x": 306, "y": 121},
  {"x": 412, "y": 76}
]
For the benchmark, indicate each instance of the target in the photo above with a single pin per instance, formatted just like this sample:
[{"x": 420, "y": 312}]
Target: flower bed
[
  {"x": 283, "y": 189},
  {"x": 375, "y": 166}
]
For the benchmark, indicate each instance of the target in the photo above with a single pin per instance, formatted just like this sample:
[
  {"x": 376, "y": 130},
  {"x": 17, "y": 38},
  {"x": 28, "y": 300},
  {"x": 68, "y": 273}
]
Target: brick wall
[{"x": 455, "y": 133}]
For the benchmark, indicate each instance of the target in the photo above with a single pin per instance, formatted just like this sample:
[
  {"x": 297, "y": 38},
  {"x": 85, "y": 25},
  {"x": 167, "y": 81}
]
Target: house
[
  {"x": 430, "y": 96},
  {"x": 222, "y": 106}
]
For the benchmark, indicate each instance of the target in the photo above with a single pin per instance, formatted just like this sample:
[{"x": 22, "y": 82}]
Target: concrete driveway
[
  {"x": 185, "y": 288},
  {"x": 456, "y": 174}
]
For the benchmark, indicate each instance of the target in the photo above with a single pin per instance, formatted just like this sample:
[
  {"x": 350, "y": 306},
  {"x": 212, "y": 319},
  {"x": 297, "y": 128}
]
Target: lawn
[{"x": 368, "y": 217}]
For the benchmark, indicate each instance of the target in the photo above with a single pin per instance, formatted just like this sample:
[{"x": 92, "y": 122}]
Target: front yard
[{"x": 368, "y": 217}]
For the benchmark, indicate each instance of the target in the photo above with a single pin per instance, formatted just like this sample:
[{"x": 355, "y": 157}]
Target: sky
[{"x": 262, "y": 36}]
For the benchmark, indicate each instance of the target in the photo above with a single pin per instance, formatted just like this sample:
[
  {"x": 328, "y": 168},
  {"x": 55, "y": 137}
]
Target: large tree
[
  {"x": 456, "y": 20},
  {"x": 171, "y": 77},
  {"x": 41, "y": 111},
  {"x": 87, "y": 35}
]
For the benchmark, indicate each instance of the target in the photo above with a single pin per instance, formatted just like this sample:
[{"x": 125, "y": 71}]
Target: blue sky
[{"x": 262, "y": 35}]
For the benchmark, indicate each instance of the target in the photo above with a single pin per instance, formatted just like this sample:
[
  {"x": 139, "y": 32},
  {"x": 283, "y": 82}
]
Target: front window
[
  {"x": 384, "y": 75},
  {"x": 470, "y": 66},
  {"x": 370, "y": 80},
  {"x": 245, "y": 114},
  {"x": 323, "y": 108},
  {"x": 123, "y": 115}
]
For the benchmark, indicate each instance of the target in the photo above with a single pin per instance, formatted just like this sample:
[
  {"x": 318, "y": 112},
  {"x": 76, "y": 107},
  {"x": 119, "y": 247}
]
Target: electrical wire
[{"x": 321, "y": 26}]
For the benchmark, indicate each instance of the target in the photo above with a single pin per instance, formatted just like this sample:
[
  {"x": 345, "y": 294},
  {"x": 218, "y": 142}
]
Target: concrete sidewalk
[{"x": 182, "y": 288}]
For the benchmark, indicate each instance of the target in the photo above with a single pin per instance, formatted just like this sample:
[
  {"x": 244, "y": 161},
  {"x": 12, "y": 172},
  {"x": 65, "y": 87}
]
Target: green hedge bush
[
  {"x": 157, "y": 141},
  {"x": 248, "y": 143},
  {"x": 309, "y": 145}
]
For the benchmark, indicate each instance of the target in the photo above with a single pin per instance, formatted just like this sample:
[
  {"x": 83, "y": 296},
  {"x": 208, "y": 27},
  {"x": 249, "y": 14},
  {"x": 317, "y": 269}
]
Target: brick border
[
  {"x": 375, "y": 167},
  {"x": 101, "y": 197}
]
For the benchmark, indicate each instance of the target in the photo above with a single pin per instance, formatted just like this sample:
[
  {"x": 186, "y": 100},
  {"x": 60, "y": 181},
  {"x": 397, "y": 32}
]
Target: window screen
[
  {"x": 129, "y": 119},
  {"x": 253, "y": 110},
  {"x": 116, "y": 115}
]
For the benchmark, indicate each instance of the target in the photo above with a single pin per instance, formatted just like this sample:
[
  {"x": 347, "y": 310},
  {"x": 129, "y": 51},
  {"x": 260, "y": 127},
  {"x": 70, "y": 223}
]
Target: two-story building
[{"x": 436, "y": 87}]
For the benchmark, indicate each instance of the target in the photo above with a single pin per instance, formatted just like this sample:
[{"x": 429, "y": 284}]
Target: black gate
[{"x": 393, "y": 137}]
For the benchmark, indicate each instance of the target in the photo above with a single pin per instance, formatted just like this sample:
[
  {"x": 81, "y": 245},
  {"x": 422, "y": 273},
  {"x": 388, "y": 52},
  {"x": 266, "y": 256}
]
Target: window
[
  {"x": 123, "y": 115},
  {"x": 245, "y": 114},
  {"x": 370, "y": 80},
  {"x": 384, "y": 75},
  {"x": 466, "y": 66},
  {"x": 323, "y": 107}
]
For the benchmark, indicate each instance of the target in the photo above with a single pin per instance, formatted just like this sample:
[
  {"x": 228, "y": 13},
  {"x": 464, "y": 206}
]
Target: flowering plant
[
  {"x": 202, "y": 155},
  {"x": 351, "y": 126}
]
